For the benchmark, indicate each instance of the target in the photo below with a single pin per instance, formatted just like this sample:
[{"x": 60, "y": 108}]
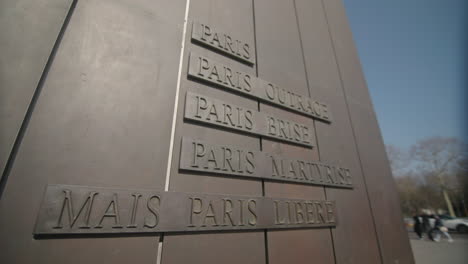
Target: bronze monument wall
[{"x": 190, "y": 131}]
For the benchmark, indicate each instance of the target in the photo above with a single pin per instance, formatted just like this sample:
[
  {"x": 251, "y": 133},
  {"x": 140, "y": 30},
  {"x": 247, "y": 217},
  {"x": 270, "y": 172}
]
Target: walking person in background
[
  {"x": 418, "y": 226},
  {"x": 439, "y": 228},
  {"x": 426, "y": 225}
]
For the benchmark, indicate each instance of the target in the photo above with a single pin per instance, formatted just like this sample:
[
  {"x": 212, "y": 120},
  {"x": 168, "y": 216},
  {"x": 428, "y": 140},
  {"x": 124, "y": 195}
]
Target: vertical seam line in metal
[
  {"x": 174, "y": 121},
  {"x": 33, "y": 102},
  {"x": 176, "y": 99},
  {"x": 314, "y": 123},
  {"x": 265, "y": 232},
  {"x": 353, "y": 130}
]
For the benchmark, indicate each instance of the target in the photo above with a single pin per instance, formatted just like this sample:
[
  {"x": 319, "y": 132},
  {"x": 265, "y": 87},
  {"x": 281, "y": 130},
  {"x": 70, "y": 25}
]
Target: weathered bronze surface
[
  {"x": 203, "y": 115},
  {"x": 197, "y": 155},
  {"x": 222, "y": 114},
  {"x": 71, "y": 209},
  {"x": 383, "y": 196},
  {"x": 102, "y": 118},
  {"x": 323, "y": 70},
  {"x": 28, "y": 32},
  {"x": 203, "y": 68},
  {"x": 279, "y": 48}
]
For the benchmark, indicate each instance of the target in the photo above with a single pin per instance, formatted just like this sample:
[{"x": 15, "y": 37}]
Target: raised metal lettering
[
  {"x": 222, "y": 42},
  {"x": 201, "y": 156},
  {"x": 212, "y": 111},
  {"x": 226, "y": 77},
  {"x": 115, "y": 211}
]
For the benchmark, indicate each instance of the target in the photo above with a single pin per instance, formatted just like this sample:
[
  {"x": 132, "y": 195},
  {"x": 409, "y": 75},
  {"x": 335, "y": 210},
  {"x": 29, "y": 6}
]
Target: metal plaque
[
  {"x": 223, "y": 42},
  {"x": 70, "y": 209},
  {"x": 197, "y": 155},
  {"x": 222, "y": 114},
  {"x": 205, "y": 69}
]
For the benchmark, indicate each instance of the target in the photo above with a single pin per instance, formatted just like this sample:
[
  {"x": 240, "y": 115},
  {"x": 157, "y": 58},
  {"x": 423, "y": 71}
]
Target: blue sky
[{"x": 413, "y": 53}]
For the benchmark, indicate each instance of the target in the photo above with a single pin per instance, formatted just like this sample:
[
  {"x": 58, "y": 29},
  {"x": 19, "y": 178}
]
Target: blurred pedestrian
[
  {"x": 426, "y": 225},
  {"x": 418, "y": 226},
  {"x": 436, "y": 233}
]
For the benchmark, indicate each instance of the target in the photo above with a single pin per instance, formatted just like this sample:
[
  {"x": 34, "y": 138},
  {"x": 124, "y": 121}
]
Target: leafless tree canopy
[{"x": 432, "y": 174}]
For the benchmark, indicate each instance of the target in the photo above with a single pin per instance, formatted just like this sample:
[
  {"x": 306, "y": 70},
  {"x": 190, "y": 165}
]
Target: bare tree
[
  {"x": 461, "y": 191},
  {"x": 438, "y": 159},
  {"x": 417, "y": 192}
]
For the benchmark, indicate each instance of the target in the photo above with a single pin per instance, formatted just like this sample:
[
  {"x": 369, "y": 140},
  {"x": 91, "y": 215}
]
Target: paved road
[{"x": 428, "y": 252}]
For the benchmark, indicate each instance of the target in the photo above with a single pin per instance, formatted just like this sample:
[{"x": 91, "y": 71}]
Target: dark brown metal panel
[
  {"x": 391, "y": 234},
  {"x": 346, "y": 53},
  {"x": 300, "y": 247},
  {"x": 381, "y": 187},
  {"x": 229, "y": 248},
  {"x": 99, "y": 121},
  {"x": 280, "y": 61},
  {"x": 234, "y": 18},
  {"x": 88, "y": 250},
  {"x": 336, "y": 141},
  {"x": 29, "y": 29}
]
